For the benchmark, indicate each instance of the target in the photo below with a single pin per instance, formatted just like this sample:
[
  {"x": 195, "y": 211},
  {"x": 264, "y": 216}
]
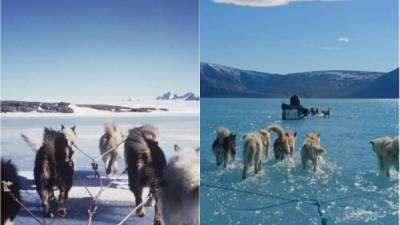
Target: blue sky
[
  {"x": 284, "y": 36},
  {"x": 93, "y": 51}
]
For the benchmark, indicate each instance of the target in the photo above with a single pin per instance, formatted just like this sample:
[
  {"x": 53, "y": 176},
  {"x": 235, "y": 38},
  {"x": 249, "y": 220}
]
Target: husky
[
  {"x": 312, "y": 151},
  {"x": 10, "y": 186},
  {"x": 54, "y": 166},
  {"x": 255, "y": 149},
  {"x": 387, "y": 151},
  {"x": 326, "y": 113},
  {"x": 145, "y": 163},
  {"x": 112, "y": 138},
  {"x": 284, "y": 144},
  {"x": 224, "y": 146},
  {"x": 179, "y": 193}
]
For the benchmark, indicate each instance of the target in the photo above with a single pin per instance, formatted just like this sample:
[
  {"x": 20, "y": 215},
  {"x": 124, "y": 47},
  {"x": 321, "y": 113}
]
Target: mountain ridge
[{"x": 226, "y": 82}]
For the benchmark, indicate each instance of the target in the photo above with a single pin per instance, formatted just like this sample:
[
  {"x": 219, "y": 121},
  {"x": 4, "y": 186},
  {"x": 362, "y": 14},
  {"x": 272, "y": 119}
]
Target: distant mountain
[
  {"x": 222, "y": 81},
  {"x": 189, "y": 96},
  {"x": 386, "y": 86}
]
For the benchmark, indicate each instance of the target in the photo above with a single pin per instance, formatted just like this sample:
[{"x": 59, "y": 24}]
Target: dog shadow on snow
[
  {"x": 108, "y": 212},
  {"x": 81, "y": 179}
]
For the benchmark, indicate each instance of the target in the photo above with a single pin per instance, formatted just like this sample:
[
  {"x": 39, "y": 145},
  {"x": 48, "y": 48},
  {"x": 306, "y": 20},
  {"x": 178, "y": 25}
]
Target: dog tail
[
  {"x": 34, "y": 142},
  {"x": 320, "y": 150},
  {"x": 277, "y": 129},
  {"x": 222, "y": 132},
  {"x": 150, "y": 131},
  {"x": 395, "y": 145}
]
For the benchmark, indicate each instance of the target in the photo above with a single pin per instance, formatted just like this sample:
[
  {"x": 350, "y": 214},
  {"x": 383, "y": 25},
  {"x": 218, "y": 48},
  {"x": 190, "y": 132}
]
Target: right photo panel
[{"x": 299, "y": 112}]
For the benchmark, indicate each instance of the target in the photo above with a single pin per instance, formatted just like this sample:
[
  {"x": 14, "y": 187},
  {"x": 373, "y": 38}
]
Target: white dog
[
  {"x": 179, "y": 192},
  {"x": 387, "y": 151},
  {"x": 112, "y": 138},
  {"x": 312, "y": 151},
  {"x": 255, "y": 150}
]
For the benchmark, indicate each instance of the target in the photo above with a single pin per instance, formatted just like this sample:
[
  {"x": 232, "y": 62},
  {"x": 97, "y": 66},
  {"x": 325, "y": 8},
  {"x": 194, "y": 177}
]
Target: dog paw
[
  {"x": 140, "y": 212},
  {"x": 48, "y": 215},
  {"x": 157, "y": 222},
  {"x": 62, "y": 212}
]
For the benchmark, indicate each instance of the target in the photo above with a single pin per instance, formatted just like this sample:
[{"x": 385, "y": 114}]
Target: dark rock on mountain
[
  {"x": 222, "y": 81},
  {"x": 64, "y": 107},
  {"x": 24, "y": 106}
]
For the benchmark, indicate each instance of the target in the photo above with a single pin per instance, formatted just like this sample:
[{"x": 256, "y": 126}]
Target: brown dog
[
  {"x": 284, "y": 144},
  {"x": 312, "y": 151},
  {"x": 387, "y": 151},
  {"x": 255, "y": 150}
]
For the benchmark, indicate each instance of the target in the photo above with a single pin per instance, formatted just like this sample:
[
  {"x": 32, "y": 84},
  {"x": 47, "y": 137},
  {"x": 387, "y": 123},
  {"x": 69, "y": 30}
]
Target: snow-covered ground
[{"x": 180, "y": 125}]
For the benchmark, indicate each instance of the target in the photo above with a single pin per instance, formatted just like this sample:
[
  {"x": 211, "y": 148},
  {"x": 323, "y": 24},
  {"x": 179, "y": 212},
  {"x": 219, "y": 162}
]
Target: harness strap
[{"x": 134, "y": 209}]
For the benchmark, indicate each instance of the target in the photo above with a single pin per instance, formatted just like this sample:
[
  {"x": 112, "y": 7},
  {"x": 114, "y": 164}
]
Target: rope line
[
  {"x": 109, "y": 151},
  {"x": 311, "y": 201},
  {"x": 93, "y": 207},
  {"x": 6, "y": 188},
  {"x": 134, "y": 209}
]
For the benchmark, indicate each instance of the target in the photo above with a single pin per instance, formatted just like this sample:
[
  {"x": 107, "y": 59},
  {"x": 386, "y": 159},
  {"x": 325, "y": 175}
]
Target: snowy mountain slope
[{"x": 222, "y": 81}]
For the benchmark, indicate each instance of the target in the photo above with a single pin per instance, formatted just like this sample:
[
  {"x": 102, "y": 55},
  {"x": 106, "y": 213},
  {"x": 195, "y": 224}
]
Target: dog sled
[{"x": 292, "y": 112}]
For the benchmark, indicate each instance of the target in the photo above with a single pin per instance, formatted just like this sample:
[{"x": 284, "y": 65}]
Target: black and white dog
[{"x": 10, "y": 186}]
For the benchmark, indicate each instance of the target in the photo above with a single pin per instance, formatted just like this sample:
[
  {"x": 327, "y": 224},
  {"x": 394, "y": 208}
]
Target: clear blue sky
[
  {"x": 301, "y": 36},
  {"x": 103, "y": 50}
]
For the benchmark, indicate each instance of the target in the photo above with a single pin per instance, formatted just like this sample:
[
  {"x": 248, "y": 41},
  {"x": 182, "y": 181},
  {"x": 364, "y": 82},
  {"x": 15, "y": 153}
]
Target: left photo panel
[{"x": 100, "y": 112}]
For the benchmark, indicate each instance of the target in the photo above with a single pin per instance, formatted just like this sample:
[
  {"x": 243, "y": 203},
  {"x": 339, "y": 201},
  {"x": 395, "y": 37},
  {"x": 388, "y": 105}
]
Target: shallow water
[{"x": 281, "y": 193}]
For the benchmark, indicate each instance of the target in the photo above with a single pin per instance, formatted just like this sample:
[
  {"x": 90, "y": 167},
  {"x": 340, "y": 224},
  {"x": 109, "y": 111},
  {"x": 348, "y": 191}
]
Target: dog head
[
  {"x": 178, "y": 148},
  {"x": 314, "y": 137},
  {"x": 70, "y": 134}
]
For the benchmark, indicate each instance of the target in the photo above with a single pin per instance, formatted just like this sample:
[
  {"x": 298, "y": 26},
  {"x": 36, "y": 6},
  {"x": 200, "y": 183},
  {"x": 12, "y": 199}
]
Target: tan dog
[
  {"x": 284, "y": 144},
  {"x": 112, "y": 138},
  {"x": 312, "y": 151},
  {"x": 255, "y": 149},
  {"x": 387, "y": 151}
]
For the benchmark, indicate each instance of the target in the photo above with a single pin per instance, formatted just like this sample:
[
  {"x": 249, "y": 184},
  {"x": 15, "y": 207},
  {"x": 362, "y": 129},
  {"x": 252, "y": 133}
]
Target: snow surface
[
  {"x": 175, "y": 108},
  {"x": 113, "y": 205},
  {"x": 179, "y": 125}
]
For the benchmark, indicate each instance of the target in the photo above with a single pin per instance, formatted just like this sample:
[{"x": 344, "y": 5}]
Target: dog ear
[
  {"x": 62, "y": 127},
  {"x": 177, "y": 148},
  {"x": 295, "y": 134},
  {"x": 372, "y": 142},
  {"x": 73, "y": 128}
]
